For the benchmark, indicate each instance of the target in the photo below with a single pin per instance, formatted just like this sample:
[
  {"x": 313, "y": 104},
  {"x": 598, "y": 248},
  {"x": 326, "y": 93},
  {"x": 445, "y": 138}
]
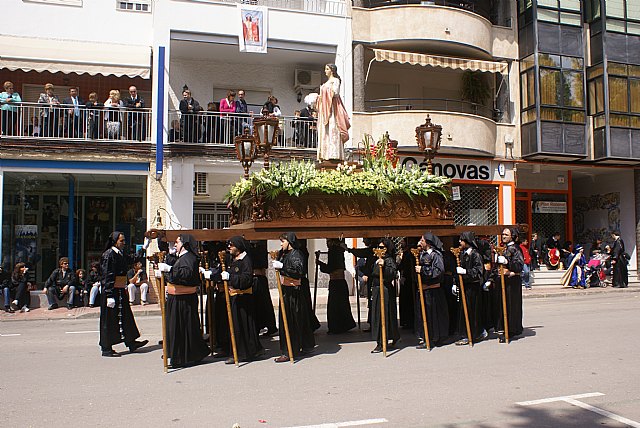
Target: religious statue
[{"x": 333, "y": 122}]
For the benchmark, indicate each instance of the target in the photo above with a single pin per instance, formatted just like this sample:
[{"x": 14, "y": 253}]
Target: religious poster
[
  {"x": 252, "y": 29},
  {"x": 26, "y": 243},
  {"x": 98, "y": 221}
]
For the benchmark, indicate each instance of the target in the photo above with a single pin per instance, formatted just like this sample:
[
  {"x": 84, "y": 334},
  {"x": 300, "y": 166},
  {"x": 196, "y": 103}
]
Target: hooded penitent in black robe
[
  {"x": 513, "y": 286},
  {"x": 339, "y": 317},
  {"x": 265, "y": 315},
  {"x": 184, "y": 339},
  {"x": 304, "y": 282},
  {"x": 389, "y": 271},
  {"x": 620, "y": 269},
  {"x": 117, "y": 324},
  {"x": 408, "y": 287},
  {"x": 370, "y": 260},
  {"x": 298, "y": 307},
  {"x": 453, "y": 301},
  {"x": 242, "y": 308},
  {"x": 431, "y": 273},
  {"x": 471, "y": 260}
]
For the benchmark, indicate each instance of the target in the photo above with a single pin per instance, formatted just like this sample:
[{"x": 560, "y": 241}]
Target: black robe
[
  {"x": 620, "y": 270},
  {"x": 264, "y": 314},
  {"x": 513, "y": 286},
  {"x": 242, "y": 309},
  {"x": 389, "y": 271},
  {"x": 297, "y": 305},
  {"x": 453, "y": 301},
  {"x": 408, "y": 289},
  {"x": 117, "y": 324},
  {"x": 437, "y": 311},
  {"x": 184, "y": 339},
  {"x": 339, "y": 317},
  {"x": 472, "y": 280},
  {"x": 367, "y": 270}
]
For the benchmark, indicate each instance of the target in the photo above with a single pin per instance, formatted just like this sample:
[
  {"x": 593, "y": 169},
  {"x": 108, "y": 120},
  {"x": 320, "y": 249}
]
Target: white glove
[
  {"x": 486, "y": 286},
  {"x": 157, "y": 273},
  {"x": 163, "y": 267},
  {"x": 207, "y": 274},
  {"x": 461, "y": 270},
  {"x": 454, "y": 289},
  {"x": 380, "y": 262},
  {"x": 111, "y": 302},
  {"x": 173, "y": 250},
  {"x": 502, "y": 260},
  {"x": 225, "y": 276},
  {"x": 277, "y": 265},
  {"x": 201, "y": 269}
]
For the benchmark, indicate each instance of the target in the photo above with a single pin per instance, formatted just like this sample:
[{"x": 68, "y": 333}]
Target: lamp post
[
  {"x": 265, "y": 131},
  {"x": 245, "y": 150},
  {"x": 428, "y": 137}
]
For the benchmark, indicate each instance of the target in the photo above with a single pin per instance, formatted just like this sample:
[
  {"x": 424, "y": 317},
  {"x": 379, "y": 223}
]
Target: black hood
[
  {"x": 189, "y": 243},
  {"x": 433, "y": 240},
  {"x": 469, "y": 238},
  {"x": 113, "y": 238},
  {"x": 239, "y": 242}
]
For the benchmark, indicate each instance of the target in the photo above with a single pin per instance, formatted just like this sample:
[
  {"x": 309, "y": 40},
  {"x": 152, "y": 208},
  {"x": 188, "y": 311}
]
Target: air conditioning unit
[
  {"x": 200, "y": 185},
  {"x": 307, "y": 79}
]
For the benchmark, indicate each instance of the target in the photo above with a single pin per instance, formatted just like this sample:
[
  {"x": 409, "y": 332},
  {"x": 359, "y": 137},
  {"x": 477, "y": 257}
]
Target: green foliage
[{"x": 380, "y": 180}]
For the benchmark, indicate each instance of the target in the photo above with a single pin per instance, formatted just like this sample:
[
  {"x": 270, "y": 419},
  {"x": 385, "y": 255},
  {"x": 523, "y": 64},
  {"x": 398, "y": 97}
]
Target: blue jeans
[
  {"x": 526, "y": 276},
  {"x": 53, "y": 292},
  {"x": 7, "y": 296}
]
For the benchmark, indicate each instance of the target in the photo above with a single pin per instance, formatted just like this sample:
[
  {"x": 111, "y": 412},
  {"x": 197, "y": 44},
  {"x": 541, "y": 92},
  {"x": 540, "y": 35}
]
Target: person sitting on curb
[
  {"x": 93, "y": 284},
  {"x": 61, "y": 282},
  {"x": 137, "y": 277}
]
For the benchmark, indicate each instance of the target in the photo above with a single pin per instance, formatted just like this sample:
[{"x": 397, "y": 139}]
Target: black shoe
[
  {"x": 110, "y": 353},
  {"x": 229, "y": 361},
  {"x": 92, "y": 306},
  {"x": 377, "y": 349},
  {"x": 137, "y": 345},
  {"x": 69, "y": 307},
  {"x": 8, "y": 309},
  {"x": 52, "y": 307},
  {"x": 281, "y": 359}
]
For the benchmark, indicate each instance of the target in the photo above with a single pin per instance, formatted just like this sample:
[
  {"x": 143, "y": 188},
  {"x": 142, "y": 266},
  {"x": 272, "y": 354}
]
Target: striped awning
[{"x": 441, "y": 61}]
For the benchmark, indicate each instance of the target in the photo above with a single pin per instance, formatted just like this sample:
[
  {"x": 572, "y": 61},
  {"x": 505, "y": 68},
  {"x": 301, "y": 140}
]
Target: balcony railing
[
  {"x": 38, "y": 121},
  {"x": 437, "y": 104},
  {"x": 327, "y": 7},
  {"x": 221, "y": 128}
]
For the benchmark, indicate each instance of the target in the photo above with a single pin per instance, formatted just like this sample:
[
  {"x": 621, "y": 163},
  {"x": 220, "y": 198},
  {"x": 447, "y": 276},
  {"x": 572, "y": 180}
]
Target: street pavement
[{"x": 584, "y": 346}]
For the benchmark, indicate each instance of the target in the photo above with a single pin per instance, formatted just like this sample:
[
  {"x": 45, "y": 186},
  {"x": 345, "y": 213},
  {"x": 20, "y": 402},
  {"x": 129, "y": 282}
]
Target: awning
[
  {"x": 441, "y": 61},
  {"x": 69, "y": 56}
]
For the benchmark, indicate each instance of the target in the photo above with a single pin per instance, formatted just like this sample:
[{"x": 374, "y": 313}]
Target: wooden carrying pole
[
  {"x": 222, "y": 255},
  {"x": 456, "y": 252},
  {"x": 427, "y": 341},
  {"x": 201, "y": 297},
  {"x": 380, "y": 252},
  {"x": 274, "y": 256},
  {"x": 315, "y": 282},
  {"x": 211, "y": 326},
  {"x": 163, "y": 310},
  {"x": 500, "y": 251}
]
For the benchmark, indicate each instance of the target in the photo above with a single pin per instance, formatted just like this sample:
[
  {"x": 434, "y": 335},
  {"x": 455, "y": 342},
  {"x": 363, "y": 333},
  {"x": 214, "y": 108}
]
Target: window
[
  {"x": 77, "y": 3},
  {"x": 560, "y": 11},
  {"x": 134, "y": 6},
  {"x": 621, "y": 13},
  {"x": 211, "y": 215},
  {"x": 561, "y": 88}
]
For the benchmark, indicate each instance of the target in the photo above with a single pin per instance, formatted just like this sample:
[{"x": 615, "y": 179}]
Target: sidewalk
[{"x": 542, "y": 291}]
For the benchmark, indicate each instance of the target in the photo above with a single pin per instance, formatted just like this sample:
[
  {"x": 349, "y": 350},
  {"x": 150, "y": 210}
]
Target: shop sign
[
  {"x": 461, "y": 170},
  {"x": 549, "y": 207}
]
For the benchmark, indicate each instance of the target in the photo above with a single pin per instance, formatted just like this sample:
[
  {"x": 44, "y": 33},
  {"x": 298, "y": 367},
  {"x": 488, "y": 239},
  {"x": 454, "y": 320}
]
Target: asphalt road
[{"x": 53, "y": 375}]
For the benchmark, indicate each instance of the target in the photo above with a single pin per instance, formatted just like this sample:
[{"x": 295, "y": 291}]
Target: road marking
[
  {"x": 345, "y": 424},
  {"x": 573, "y": 400},
  {"x": 10, "y": 335},
  {"x": 81, "y": 332}
]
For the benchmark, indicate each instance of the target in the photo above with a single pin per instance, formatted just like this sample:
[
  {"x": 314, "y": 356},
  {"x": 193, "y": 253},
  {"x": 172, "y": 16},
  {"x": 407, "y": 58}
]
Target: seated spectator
[
  {"x": 82, "y": 291},
  {"x": 61, "y": 282},
  {"x": 21, "y": 287},
  {"x": 113, "y": 114},
  {"x": 137, "y": 278},
  {"x": 9, "y": 101},
  {"x": 5, "y": 288},
  {"x": 93, "y": 107},
  {"x": 93, "y": 282}
]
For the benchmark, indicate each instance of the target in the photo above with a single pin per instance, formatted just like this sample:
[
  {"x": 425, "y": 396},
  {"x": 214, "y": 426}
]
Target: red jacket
[{"x": 525, "y": 254}]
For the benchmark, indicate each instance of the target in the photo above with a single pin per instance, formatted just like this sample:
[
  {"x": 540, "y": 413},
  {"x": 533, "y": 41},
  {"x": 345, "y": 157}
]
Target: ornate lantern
[
  {"x": 246, "y": 150},
  {"x": 428, "y": 136},
  {"x": 265, "y": 131}
]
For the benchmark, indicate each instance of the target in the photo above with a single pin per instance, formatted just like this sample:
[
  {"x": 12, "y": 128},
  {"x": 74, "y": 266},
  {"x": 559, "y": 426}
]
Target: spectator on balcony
[
  {"x": 136, "y": 277},
  {"x": 189, "y": 108},
  {"x": 175, "y": 133},
  {"x": 136, "y": 120},
  {"x": 113, "y": 115},
  {"x": 93, "y": 108},
  {"x": 271, "y": 107},
  {"x": 212, "y": 124},
  {"x": 62, "y": 282},
  {"x": 33, "y": 128},
  {"x": 9, "y": 99},
  {"x": 243, "y": 108},
  {"x": 74, "y": 116},
  {"x": 228, "y": 105},
  {"x": 305, "y": 124},
  {"x": 333, "y": 121},
  {"x": 51, "y": 113}
]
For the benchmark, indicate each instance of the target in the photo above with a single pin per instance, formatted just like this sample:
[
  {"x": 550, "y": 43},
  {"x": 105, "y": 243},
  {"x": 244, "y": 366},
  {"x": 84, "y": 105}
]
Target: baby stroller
[{"x": 596, "y": 271}]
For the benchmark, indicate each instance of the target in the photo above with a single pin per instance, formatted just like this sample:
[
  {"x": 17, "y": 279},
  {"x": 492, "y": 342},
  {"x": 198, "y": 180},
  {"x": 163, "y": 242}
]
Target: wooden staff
[
  {"x": 416, "y": 254},
  {"x": 211, "y": 326},
  {"x": 456, "y": 252},
  {"x": 222, "y": 255},
  {"x": 274, "y": 256},
  {"x": 501, "y": 251},
  {"x": 163, "y": 302},
  {"x": 315, "y": 282},
  {"x": 380, "y": 252},
  {"x": 201, "y": 297}
]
